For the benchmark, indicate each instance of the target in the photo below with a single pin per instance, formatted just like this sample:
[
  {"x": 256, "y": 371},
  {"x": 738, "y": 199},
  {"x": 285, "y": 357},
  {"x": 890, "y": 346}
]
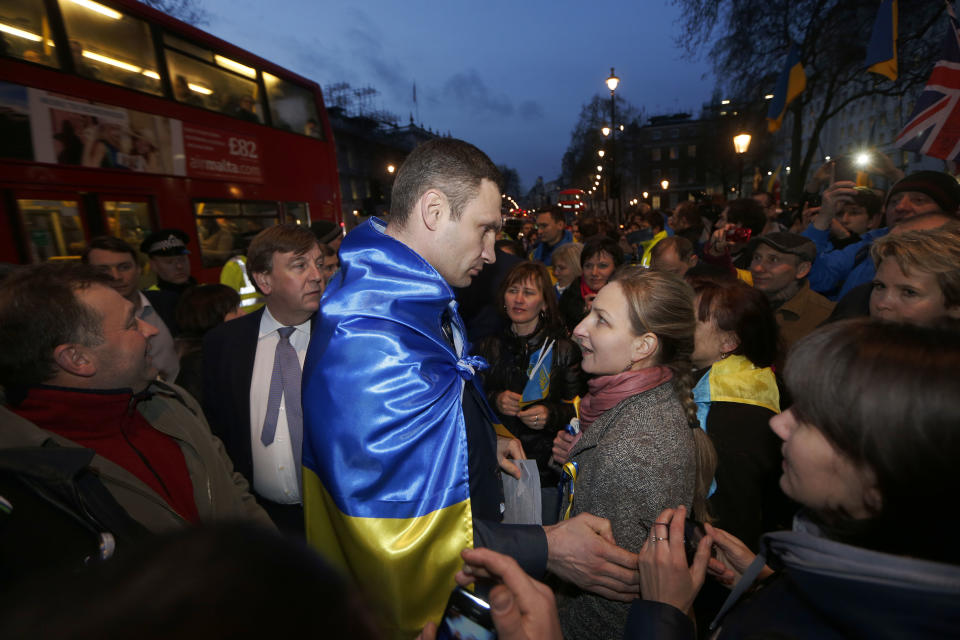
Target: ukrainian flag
[
  {"x": 792, "y": 82},
  {"x": 882, "y": 50},
  {"x": 385, "y": 462}
]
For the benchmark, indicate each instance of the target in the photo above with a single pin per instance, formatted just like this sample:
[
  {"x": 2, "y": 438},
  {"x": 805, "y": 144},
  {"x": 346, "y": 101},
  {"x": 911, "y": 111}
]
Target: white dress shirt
[
  {"x": 274, "y": 470},
  {"x": 163, "y": 352}
]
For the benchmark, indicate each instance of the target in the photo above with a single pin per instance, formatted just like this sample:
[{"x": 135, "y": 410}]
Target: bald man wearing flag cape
[{"x": 401, "y": 458}]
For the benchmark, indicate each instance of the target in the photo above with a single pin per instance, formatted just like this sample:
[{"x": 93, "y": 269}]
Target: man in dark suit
[{"x": 252, "y": 366}]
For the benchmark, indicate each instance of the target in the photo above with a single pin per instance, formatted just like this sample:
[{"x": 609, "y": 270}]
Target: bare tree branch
[
  {"x": 748, "y": 41},
  {"x": 190, "y": 11}
]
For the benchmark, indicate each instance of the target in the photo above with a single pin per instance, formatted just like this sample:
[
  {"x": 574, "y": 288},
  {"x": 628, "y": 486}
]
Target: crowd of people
[{"x": 743, "y": 420}]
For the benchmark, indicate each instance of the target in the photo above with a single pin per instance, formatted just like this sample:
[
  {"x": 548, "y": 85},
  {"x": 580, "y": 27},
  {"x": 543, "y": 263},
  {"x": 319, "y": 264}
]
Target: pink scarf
[{"x": 607, "y": 391}]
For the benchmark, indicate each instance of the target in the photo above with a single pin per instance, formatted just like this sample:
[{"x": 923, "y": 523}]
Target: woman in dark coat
[
  {"x": 533, "y": 409},
  {"x": 870, "y": 448},
  {"x": 737, "y": 394},
  {"x": 600, "y": 258}
]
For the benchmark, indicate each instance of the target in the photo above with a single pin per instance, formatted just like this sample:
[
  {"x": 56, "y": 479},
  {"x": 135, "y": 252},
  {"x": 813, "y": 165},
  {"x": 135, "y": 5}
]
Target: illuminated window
[
  {"x": 225, "y": 228},
  {"x": 206, "y": 79},
  {"x": 53, "y": 228},
  {"x": 25, "y": 30},
  {"x": 297, "y": 212},
  {"x": 292, "y": 107},
  {"x": 129, "y": 221},
  {"x": 110, "y": 46}
]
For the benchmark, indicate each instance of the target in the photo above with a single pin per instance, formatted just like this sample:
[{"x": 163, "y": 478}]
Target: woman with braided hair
[{"x": 641, "y": 446}]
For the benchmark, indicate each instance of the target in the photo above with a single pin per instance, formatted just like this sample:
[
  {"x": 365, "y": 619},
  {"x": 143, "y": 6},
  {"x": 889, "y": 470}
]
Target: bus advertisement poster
[
  {"x": 221, "y": 155},
  {"x": 58, "y": 129}
]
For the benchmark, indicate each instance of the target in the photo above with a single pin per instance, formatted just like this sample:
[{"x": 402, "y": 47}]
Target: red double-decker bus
[
  {"x": 572, "y": 200},
  {"x": 118, "y": 119}
]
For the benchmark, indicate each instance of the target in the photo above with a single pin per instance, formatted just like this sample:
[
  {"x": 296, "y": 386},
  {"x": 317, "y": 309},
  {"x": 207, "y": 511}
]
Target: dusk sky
[{"x": 510, "y": 77}]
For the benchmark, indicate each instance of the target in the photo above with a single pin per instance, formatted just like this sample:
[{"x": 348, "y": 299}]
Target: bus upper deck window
[
  {"x": 212, "y": 87},
  {"x": 107, "y": 45},
  {"x": 292, "y": 107},
  {"x": 25, "y": 32}
]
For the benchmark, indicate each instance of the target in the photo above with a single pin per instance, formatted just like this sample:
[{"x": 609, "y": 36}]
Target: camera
[
  {"x": 844, "y": 169},
  {"x": 466, "y": 616},
  {"x": 738, "y": 235}
]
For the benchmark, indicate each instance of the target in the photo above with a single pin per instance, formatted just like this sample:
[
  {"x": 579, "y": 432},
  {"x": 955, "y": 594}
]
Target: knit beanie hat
[{"x": 942, "y": 187}]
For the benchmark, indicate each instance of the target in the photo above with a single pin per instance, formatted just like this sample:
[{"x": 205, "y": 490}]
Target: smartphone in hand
[{"x": 467, "y": 616}]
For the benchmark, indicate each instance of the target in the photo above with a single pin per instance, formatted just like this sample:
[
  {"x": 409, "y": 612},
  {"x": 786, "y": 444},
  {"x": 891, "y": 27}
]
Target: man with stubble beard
[{"x": 401, "y": 452}]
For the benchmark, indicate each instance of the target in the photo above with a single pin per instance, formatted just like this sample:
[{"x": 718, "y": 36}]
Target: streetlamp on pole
[
  {"x": 612, "y": 83},
  {"x": 741, "y": 143}
]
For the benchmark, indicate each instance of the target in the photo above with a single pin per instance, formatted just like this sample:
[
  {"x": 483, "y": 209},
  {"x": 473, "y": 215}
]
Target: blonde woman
[
  {"x": 641, "y": 447},
  {"x": 918, "y": 277},
  {"x": 566, "y": 265}
]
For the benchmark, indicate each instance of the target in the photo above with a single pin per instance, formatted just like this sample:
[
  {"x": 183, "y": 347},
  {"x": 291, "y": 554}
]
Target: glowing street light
[
  {"x": 665, "y": 184},
  {"x": 741, "y": 143},
  {"x": 613, "y": 81}
]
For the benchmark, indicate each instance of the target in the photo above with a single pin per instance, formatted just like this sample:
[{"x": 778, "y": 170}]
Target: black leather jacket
[{"x": 509, "y": 357}]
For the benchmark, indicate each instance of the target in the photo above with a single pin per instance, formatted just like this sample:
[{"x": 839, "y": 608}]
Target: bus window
[
  {"x": 53, "y": 228},
  {"x": 292, "y": 107},
  {"x": 110, "y": 46},
  {"x": 298, "y": 212},
  {"x": 25, "y": 32},
  {"x": 225, "y": 228},
  {"x": 205, "y": 79},
  {"x": 129, "y": 221}
]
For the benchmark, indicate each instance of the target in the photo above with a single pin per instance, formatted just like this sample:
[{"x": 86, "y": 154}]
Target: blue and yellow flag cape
[
  {"x": 385, "y": 475},
  {"x": 792, "y": 82},
  {"x": 735, "y": 379},
  {"x": 882, "y": 50}
]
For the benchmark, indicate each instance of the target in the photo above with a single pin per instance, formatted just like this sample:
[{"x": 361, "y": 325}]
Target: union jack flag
[{"x": 934, "y": 126}]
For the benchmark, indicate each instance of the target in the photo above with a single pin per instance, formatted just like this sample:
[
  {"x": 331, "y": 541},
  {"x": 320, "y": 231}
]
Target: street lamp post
[
  {"x": 612, "y": 83},
  {"x": 741, "y": 143}
]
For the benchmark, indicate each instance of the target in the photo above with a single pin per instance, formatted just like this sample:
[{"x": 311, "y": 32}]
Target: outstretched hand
[
  {"x": 662, "y": 562},
  {"x": 508, "y": 450},
  {"x": 733, "y": 558},
  {"x": 837, "y": 194},
  {"x": 521, "y": 607},
  {"x": 582, "y": 550},
  {"x": 562, "y": 446},
  {"x": 508, "y": 403}
]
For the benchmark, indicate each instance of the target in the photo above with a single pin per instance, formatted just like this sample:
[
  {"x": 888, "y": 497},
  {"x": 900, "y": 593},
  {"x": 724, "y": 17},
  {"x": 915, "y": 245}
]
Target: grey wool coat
[{"x": 636, "y": 460}]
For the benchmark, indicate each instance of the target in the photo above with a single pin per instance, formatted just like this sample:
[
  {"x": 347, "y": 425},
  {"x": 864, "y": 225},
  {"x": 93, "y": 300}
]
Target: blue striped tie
[{"x": 285, "y": 382}]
